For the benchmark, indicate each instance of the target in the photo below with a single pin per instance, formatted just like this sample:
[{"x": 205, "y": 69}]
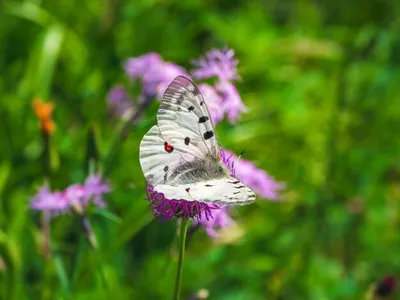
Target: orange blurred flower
[{"x": 43, "y": 111}]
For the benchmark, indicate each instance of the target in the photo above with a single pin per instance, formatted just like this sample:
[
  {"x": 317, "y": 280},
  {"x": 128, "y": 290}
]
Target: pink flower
[
  {"x": 217, "y": 63},
  {"x": 220, "y": 220},
  {"x": 232, "y": 103},
  {"x": 137, "y": 67},
  {"x": 96, "y": 188},
  {"x": 53, "y": 202},
  {"x": 154, "y": 73},
  {"x": 256, "y": 179},
  {"x": 165, "y": 209},
  {"x": 75, "y": 196}
]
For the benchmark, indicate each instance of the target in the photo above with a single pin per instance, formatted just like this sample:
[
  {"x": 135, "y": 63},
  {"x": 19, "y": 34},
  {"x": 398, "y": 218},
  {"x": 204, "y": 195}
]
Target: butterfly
[{"x": 180, "y": 156}]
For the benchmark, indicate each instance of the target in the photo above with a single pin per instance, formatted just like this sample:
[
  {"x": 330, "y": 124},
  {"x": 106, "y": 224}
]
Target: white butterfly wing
[
  {"x": 184, "y": 120},
  {"x": 224, "y": 191},
  {"x": 155, "y": 161}
]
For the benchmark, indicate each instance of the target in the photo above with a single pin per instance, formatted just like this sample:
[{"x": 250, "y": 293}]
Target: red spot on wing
[
  {"x": 168, "y": 147},
  {"x": 187, "y": 190}
]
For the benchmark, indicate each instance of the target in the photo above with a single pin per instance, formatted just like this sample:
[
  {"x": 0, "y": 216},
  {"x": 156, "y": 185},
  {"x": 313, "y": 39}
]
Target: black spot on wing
[
  {"x": 201, "y": 103},
  {"x": 190, "y": 108},
  {"x": 236, "y": 193},
  {"x": 166, "y": 168},
  {"x": 187, "y": 140},
  {"x": 203, "y": 119},
  {"x": 208, "y": 135},
  {"x": 234, "y": 182},
  {"x": 208, "y": 185},
  {"x": 165, "y": 177}
]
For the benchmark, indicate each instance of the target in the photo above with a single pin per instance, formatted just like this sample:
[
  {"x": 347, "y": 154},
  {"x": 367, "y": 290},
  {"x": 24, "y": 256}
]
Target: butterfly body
[
  {"x": 198, "y": 170},
  {"x": 180, "y": 156}
]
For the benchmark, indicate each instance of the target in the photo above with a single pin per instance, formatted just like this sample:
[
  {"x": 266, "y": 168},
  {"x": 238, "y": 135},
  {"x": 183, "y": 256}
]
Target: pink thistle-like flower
[
  {"x": 154, "y": 73},
  {"x": 96, "y": 188},
  {"x": 232, "y": 102},
  {"x": 217, "y": 63},
  {"x": 165, "y": 209},
  {"x": 137, "y": 67},
  {"x": 51, "y": 202},
  {"x": 223, "y": 65},
  {"x": 221, "y": 219},
  {"x": 256, "y": 179},
  {"x": 76, "y": 197}
]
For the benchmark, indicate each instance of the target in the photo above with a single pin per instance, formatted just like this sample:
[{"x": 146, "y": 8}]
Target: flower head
[
  {"x": 153, "y": 71},
  {"x": 75, "y": 196},
  {"x": 217, "y": 63},
  {"x": 44, "y": 113},
  {"x": 232, "y": 103},
  {"x": 136, "y": 67},
  {"x": 257, "y": 179},
  {"x": 165, "y": 209},
  {"x": 53, "y": 202},
  {"x": 96, "y": 187},
  {"x": 220, "y": 220}
]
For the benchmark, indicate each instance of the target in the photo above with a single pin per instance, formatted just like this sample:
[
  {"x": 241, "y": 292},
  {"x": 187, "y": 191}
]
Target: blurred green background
[{"x": 321, "y": 80}]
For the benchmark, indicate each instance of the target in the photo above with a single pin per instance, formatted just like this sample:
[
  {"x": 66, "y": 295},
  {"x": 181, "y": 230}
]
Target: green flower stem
[{"x": 182, "y": 241}]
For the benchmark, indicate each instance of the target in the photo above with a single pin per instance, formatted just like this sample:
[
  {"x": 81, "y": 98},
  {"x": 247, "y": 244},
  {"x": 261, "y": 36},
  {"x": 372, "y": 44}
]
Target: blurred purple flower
[
  {"x": 154, "y": 73},
  {"x": 217, "y": 63},
  {"x": 223, "y": 65},
  {"x": 232, "y": 103},
  {"x": 76, "y": 196},
  {"x": 118, "y": 101},
  {"x": 220, "y": 219},
  {"x": 258, "y": 180},
  {"x": 136, "y": 67},
  {"x": 53, "y": 202},
  {"x": 214, "y": 102},
  {"x": 95, "y": 187}
]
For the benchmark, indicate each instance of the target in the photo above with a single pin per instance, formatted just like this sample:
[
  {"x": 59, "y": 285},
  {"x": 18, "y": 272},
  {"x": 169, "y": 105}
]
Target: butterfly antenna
[
  {"x": 239, "y": 157},
  {"x": 235, "y": 162}
]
